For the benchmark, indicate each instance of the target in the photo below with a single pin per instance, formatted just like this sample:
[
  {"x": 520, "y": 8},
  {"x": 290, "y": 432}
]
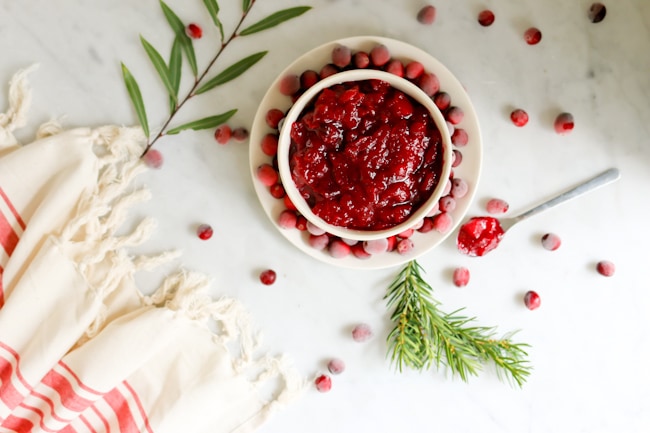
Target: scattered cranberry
[
  {"x": 497, "y": 206},
  {"x": 361, "y": 333},
  {"x": 268, "y": 277},
  {"x": 519, "y": 117},
  {"x": 361, "y": 60},
  {"x": 277, "y": 191},
  {"x": 222, "y": 134},
  {"x": 461, "y": 277},
  {"x": 405, "y": 246},
  {"x": 427, "y": 15},
  {"x": 532, "y": 300},
  {"x": 564, "y": 123},
  {"x": 551, "y": 241},
  {"x": 486, "y": 18},
  {"x": 379, "y": 55},
  {"x": 442, "y": 100},
  {"x": 454, "y": 115},
  {"x": 269, "y": 144},
  {"x": 339, "y": 249},
  {"x": 459, "y": 138},
  {"x": 308, "y": 78},
  {"x": 323, "y": 383},
  {"x": 413, "y": 70},
  {"x": 267, "y": 175},
  {"x": 240, "y": 134},
  {"x": 458, "y": 158},
  {"x": 153, "y": 158},
  {"x": 341, "y": 56},
  {"x": 287, "y": 219},
  {"x": 429, "y": 83},
  {"x": 459, "y": 188},
  {"x": 606, "y": 268},
  {"x": 442, "y": 222},
  {"x": 273, "y": 117},
  {"x": 289, "y": 84},
  {"x": 532, "y": 36},
  {"x": 204, "y": 232},
  {"x": 597, "y": 12},
  {"x": 194, "y": 31},
  {"x": 336, "y": 366}
]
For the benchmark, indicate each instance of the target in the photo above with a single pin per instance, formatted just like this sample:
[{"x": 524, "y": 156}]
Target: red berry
[
  {"x": 551, "y": 241},
  {"x": 376, "y": 246},
  {"x": 323, "y": 383},
  {"x": 270, "y": 144},
  {"x": 458, "y": 158},
  {"x": 268, "y": 277},
  {"x": 459, "y": 188},
  {"x": 273, "y": 117},
  {"x": 459, "y": 138},
  {"x": 318, "y": 242},
  {"x": 267, "y": 175},
  {"x": 564, "y": 123},
  {"x": 395, "y": 67},
  {"x": 287, "y": 219},
  {"x": 597, "y": 12},
  {"x": 314, "y": 229},
  {"x": 519, "y": 117},
  {"x": 429, "y": 83},
  {"x": 497, "y": 206},
  {"x": 606, "y": 268},
  {"x": 361, "y": 60},
  {"x": 359, "y": 252},
  {"x": 532, "y": 300},
  {"x": 427, "y": 15},
  {"x": 328, "y": 70},
  {"x": 301, "y": 223},
  {"x": 486, "y": 18},
  {"x": 442, "y": 100},
  {"x": 339, "y": 249},
  {"x": 336, "y": 366},
  {"x": 204, "y": 232},
  {"x": 289, "y": 84},
  {"x": 405, "y": 246},
  {"x": 361, "y": 333},
  {"x": 379, "y": 55},
  {"x": 413, "y": 70},
  {"x": 288, "y": 203},
  {"x": 308, "y": 79},
  {"x": 532, "y": 36},
  {"x": 447, "y": 204},
  {"x": 240, "y": 134},
  {"x": 455, "y": 115},
  {"x": 341, "y": 56},
  {"x": 277, "y": 191},
  {"x": 153, "y": 158},
  {"x": 194, "y": 31},
  {"x": 442, "y": 222},
  {"x": 461, "y": 277},
  {"x": 222, "y": 134},
  {"x": 408, "y": 232},
  {"x": 427, "y": 226}
]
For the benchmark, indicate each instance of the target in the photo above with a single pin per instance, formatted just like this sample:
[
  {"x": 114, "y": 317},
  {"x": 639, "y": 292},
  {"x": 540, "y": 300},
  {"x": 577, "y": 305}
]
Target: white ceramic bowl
[{"x": 360, "y": 75}]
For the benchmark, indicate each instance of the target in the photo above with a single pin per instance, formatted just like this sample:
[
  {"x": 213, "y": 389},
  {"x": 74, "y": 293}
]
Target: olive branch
[{"x": 182, "y": 48}]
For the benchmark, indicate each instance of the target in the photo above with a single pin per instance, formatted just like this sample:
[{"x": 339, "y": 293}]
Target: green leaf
[
  {"x": 179, "y": 29},
  {"x": 136, "y": 98},
  {"x": 275, "y": 19},
  {"x": 205, "y": 123},
  {"x": 213, "y": 7},
  {"x": 246, "y": 5},
  {"x": 175, "y": 63},
  {"x": 161, "y": 67},
  {"x": 232, "y": 72}
]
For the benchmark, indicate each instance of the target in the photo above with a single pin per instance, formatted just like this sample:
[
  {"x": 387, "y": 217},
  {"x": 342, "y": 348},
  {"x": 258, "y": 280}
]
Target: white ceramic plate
[{"x": 469, "y": 170}]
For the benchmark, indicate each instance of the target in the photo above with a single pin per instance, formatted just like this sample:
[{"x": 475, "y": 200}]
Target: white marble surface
[{"x": 590, "y": 343}]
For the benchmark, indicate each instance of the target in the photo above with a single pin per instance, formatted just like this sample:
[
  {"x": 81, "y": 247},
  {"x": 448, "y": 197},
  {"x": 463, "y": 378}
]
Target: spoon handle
[{"x": 602, "y": 179}]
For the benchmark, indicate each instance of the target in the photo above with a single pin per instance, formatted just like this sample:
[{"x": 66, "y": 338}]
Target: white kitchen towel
[{"x": 81, "y": 348}]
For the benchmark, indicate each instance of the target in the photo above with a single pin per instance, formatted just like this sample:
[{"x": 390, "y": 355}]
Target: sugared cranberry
[
  {"x": 597, "y": 12},
  {"x": 240, "y": 134},
  {"x": 379, "y": 55},
  {"x": 318, "y": 242},
  {"x": 459, "y": 188},
  {"x": 361, "y": 60},
  {"x": 376, "y": 246},
  {"x": 361, "y": 333},
  {"x": 458, "y": 158},
  {"x": 328, "y": 70},
  {"x": 413, "y": 70},
  {"x": 288, "y": 203},
  {"x": 395, "y": 67},
  {"x": 153, "y": 158},
  {"x": 222, "y": 134},
  {"x": 194, "y": 31},
  {"x": 277, "y": 191},
  {"x": 442, "y": 100},
  {"x": 427, "y": 225},
  {"x": 405, "y": 246},
  {"x": 551, "y": 241},
  {"x": 429, "y": 83},
  {"x": 447, "y": 204},
  {"x": 459, "y": 138},
  {"x": 519, "y": 117},
  {"x": 289, "y": 84},
  {"x": 204, "y": 232},
  {"x": 442, "y": 222},
  {"x": 301, "y": 223},
  {"x": 267, "y": 175},
  {"x": 270, "y": 144},
  {"x": 341, "y": 56},
  {"x": 486, "y": 18},
  {"x": 606, "y": 268},
  {"x": 336, "y": 366},
  {"x": 339, "y": 249},
  {"x": 532, "y": 36},
  {"x": 323, "y": 383},
  {"x": 287, "y": 219},
  {"x": 308, "y": 78},
  {"x": 532, "y": 300},
  {"x": 564, "y": 123},
  {"x": 427, "y": 15},
  {"x": 455, "y": 115},
  {"x": 268, "y": 277},
  {"x": 497, "y": 206},
  {"x": 314, "y": 229},
  {"x": 359, "y": 252},
  {"x": 273, "y": 117},
  {"x": 406, "y": 233},
  {"x": 461, "y": 277}
]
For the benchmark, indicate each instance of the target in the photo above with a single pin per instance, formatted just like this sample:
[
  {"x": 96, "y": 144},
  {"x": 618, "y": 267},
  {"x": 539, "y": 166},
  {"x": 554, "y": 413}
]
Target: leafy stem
[{"x": 424, "y": 336}]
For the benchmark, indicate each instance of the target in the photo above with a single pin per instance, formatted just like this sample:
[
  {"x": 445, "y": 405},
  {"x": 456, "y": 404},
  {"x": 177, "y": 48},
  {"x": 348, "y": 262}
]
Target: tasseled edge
[{"x": 20, "y": 97}]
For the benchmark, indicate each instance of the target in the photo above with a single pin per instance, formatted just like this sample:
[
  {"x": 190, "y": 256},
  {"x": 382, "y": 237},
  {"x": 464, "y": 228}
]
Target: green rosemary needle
[{"x": 424, "y": 337}]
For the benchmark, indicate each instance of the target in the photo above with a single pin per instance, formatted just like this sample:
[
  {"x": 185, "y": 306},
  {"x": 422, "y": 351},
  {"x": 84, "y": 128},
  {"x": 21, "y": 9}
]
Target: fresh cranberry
[
  {"x": 442, "y": 100},
  {"x": 461, "y": 277},
  {"x": 442, "y": 222},
  {"x": 429, "y": 83},
  {"x": 458, "y": 158},
  {"x": 267, "y": 175},
  {"x": 519, "y": 117},
  {"x": 427, "y": 15},
  {"x": 413, "y": 70},
  {"x": 376, "y": 246},
  {"x": 459, "y": 188},
  {"x": 395, "y": 67},
  {"x": 204, "y": 232},
  {"x": 532, "y": 300},
  {"x": 240, "y": 134},
  {"x": 405, "y": 246},
  {"x": 606, "y": 268},
  {"x": 268, "y": 277},
  {"x": 289, "y": 84},
  {"x": 270, "y": 144},
  {"x": 392, "y": 243},
  {"x": 287, "y": 219},
  {"x": 427, "y": 225},
  {"x": 339, "y": 249},
  {"x": 341, "y": 56},
  {"x": 273, "y": 117},
  {"x": 379, "y": 55},
  {"x": 194, "y": 31},
  {"x": 319, "y": 242},
  {"x": 359, "y": 252},
  {"x": 153, "y": 158},
  {"x": 455, "y": 115},
  {"x": 486, "y": 18},
  {"x": 361, "y": 332},
  {"x": 301, "y": 223},
  {"x": 564, "y": 123},
  {"x": 288, "y": 203},
  {"x": 222, "y": 134},
  {"x": 459, "y": 138},
  {"x": 551, "y": 241},
  {"x": 532, "y": 36},
  {"x": 323, "y": 383},
  {"x": 497, "y": 206},
  {"x": 447, "y": 204},
  {"x": 277, "y": 191},
  {"x": 308, "y": 78},
  {"x": 328, "y": 70},
  {"x": 479, "y": 236},
  {"x": 336, "y": 366},
  {"x": 361, "y": 60},
  {"x": 406, "y": 233},
  {"x": 597, "y": 12}
]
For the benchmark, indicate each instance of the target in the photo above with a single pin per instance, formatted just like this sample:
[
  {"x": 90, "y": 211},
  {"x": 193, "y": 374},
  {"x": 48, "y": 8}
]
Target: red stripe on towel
[
  {"x": 69, "y": 397},
  {"x": 8, "y": 237},
  {"x": 79, "y": 382},
  {"x": 2, "y": 292},
  {"x": 122, "y": 411},
  {"x": 12, "y": 209},
  {"x": 139, "y": 404}
]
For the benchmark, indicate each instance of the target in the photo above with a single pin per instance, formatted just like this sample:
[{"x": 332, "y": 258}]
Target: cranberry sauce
[
  {"x": 365, "y": 155},
  {"x": 479, "y": 235}
]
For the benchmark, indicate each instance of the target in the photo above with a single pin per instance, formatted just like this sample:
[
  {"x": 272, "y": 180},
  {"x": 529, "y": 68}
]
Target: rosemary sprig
[
  {"x": 424, "y": 337},
  {"x": 170, "y": 74}
]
